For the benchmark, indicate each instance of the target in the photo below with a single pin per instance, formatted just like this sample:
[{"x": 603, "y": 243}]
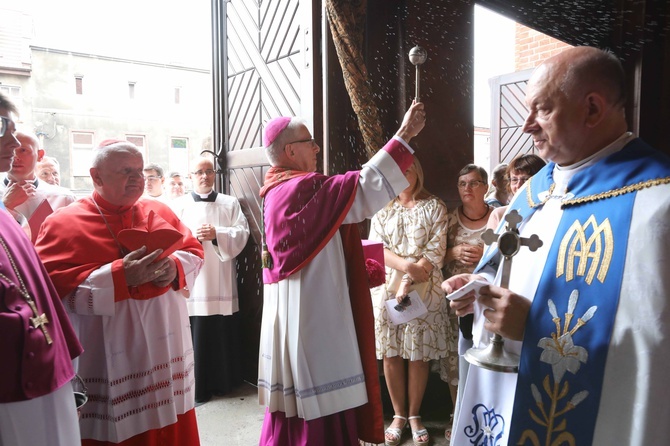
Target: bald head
[
  {"x": 202, "y": 174},
  {"x": 576, "y": 104},
  {"x": 26, "y": 157},
  {"x": 582, "y": 70},
  {"x": 104, "y": 153}
]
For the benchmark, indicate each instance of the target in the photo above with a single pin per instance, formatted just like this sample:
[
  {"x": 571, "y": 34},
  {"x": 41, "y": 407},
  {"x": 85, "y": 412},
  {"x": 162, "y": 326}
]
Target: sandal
[
  {"x": 447, "y": 431},
  {"x": 394, "y": 432},
  {"x": 417, "y": 434}
]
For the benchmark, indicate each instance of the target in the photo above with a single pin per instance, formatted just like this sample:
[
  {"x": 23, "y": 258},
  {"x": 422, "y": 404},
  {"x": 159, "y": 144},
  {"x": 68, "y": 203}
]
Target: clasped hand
[
  {"x": 417, "y": 272},
  {"x": 17, "y": 193},
  {"x": 468, "y": 254},
  {"x": 205, "y": 232},
  {"x": 505, "y": 312},
  {"x": 140, "y": 268}
]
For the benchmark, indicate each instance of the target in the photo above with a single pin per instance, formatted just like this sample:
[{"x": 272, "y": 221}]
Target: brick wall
[{"x": 532, "y": 47}]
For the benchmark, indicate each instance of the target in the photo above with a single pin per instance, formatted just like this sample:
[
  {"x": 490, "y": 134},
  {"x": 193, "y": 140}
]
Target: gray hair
[
  {"x": 475, "y": 168},
  {"x": 275, "y": 150},
  {"x": 50, "y": 159}
]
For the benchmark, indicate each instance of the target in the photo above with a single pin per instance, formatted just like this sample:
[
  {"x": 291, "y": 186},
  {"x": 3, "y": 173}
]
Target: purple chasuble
[
  {"x": 32, "y": 367},
  {"x": 301, "y": 216}
]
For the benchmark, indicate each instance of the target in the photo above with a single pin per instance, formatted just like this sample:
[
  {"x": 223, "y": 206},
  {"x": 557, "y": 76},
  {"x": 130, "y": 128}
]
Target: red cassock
[{"x": 138, "y": 356}]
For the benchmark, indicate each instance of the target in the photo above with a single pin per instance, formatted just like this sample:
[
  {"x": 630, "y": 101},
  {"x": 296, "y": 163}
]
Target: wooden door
[{"x": 263, "y": 68}]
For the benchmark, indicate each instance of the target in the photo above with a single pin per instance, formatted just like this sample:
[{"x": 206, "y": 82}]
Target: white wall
[{"x": 494, "y": 55}]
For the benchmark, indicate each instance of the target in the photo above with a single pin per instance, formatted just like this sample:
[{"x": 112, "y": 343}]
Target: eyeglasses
[
  {"x": 152, "y": 178},
  {"x": 310, "y": 140},
  {"x": 199, "y": 173},
  {"x": 4, "y": 125},
  {"x": 518, "y": 180},
  {"x": 471, "y": 184}
]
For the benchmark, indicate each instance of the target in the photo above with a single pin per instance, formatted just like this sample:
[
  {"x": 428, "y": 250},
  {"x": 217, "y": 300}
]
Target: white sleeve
[
  {"x": 381, "y": 180},
  {"x": 232, "y": 239},
  {"x": 94, "y": 296},
  {"x": 191, "y": 265}
]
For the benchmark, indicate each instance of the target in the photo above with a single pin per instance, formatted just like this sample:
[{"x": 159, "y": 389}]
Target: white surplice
[
  {"x": 127, "y": 398},
  {"x": 215, "y": 289}
]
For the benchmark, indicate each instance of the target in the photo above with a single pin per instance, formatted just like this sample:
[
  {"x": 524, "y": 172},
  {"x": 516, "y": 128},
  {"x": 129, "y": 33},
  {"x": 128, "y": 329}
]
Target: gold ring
[{"x": 158, "y": 272}]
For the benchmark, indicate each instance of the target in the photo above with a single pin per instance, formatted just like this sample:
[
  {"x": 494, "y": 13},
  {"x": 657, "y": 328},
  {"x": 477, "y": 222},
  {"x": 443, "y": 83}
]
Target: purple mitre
[{"x": 273, "y": 128}]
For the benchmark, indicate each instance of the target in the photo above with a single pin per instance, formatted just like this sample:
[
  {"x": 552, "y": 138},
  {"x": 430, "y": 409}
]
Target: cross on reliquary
[
  {"x": 495, "y": 357},
  {"x": 510, "y": 242}
]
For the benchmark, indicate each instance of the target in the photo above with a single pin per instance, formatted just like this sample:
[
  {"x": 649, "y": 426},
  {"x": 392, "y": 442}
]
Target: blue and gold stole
[{"x": 570, "y": 323}]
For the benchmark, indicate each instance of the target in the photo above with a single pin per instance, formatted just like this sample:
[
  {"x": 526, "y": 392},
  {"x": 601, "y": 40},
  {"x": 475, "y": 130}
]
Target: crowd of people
[
  {"x": 114, "y": 296},
  {"x": 603, "y": 195},
  {"x": 140, "y": 301}
]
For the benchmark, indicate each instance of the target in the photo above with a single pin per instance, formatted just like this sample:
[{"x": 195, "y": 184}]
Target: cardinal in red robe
[{"x": 127, "y": 304}]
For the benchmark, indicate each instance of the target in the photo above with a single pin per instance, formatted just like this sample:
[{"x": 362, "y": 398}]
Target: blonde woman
[{"x": 413, "y": 230}]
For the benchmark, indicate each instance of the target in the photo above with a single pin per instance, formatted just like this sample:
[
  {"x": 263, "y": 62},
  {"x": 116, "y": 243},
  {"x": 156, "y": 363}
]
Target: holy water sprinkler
[{"x": 417, "y": 56}]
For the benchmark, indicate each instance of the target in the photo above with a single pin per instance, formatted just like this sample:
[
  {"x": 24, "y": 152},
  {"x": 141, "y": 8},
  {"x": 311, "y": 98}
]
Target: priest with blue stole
[{"x": 588, "y": 311}]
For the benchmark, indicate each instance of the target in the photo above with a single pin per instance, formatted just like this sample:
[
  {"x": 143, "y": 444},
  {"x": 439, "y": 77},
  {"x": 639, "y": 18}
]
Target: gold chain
[
  {"x": 37, "y": 321},
  {"x": 122, "y": 251}
]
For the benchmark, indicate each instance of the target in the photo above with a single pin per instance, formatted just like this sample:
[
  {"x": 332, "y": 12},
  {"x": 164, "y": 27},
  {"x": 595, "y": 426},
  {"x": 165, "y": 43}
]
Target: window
[
  {"x": 131, "y": 89},
  {"x": 179, "y": 143},
  {"x": 11, "y": 91},
  {"x": 82, "y": 153},
  {"x": 138, "y": 140},
  {"x": 179, "y": 155},
  {"x": 79, "y": 84}
]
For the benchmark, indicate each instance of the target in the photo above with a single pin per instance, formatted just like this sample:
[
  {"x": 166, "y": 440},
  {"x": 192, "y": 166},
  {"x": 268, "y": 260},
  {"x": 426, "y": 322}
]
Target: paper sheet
[{"x": 415, "y": 309}]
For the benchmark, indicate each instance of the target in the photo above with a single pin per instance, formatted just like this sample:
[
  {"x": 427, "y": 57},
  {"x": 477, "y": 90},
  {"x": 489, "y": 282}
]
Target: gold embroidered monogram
[{"x": 598, "y": 247}]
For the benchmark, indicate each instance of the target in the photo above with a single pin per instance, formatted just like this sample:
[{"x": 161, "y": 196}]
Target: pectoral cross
[
  {"x": 494, "y": 357},
  {"x": 37, "y": 321},
  {"x": 40, "y": 321}
]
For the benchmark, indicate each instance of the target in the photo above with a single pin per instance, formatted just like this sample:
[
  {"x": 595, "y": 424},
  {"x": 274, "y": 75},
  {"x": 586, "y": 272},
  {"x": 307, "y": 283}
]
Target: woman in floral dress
[{"x": 413, "y": 230}]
